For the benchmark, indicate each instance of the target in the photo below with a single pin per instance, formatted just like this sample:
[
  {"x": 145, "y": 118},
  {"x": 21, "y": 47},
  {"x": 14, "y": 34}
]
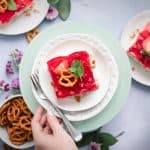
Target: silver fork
[{"x": 74, "y": 133}]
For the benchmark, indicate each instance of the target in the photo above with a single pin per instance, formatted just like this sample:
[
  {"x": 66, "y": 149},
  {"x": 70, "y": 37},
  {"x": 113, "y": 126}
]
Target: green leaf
[
  {"x": 12, "y": 5},
  {"x": 64, "y": 8},
  {"x": 145, "y": 52},
  {"x": 53, "y": 2},
  {"x": 87, "y": 138},
  {"x": 77, "y": 68},
  {"x": 104, "y": 147},
  {"x": 106, "y": 139}
]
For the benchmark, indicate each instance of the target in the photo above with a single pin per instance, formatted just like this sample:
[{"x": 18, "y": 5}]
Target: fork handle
[{"x": 74, "y": 133}]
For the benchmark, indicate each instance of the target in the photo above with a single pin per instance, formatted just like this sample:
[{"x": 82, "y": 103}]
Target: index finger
[{"x": 38, "y": 115}]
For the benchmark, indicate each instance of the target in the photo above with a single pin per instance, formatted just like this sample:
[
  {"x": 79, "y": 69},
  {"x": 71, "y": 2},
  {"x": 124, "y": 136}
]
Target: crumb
[
  {"x": 52, "y": 84},
  {"x": 30, "y": 10},
  {"x": 133, "y": 35},
  {"x": 133, "y": 69},
  {"x": 93, "y": 64},
  {"x": 77, "y": 98},
  {"x": 36, "y": 10},
  {"x": 32, "y": 34}
]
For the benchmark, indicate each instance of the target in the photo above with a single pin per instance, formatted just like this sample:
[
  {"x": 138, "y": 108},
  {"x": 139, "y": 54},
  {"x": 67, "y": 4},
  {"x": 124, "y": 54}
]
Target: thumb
[{"x": 53, "y": 123}]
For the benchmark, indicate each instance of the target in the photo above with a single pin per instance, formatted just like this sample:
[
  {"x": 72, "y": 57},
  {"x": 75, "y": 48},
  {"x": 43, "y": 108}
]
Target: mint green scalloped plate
[{"x": 113, "y": 45}]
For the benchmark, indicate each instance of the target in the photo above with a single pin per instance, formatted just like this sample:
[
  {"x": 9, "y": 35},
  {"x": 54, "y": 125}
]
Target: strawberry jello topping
[
  {"x": 72, "y": 75},
  {"x": 140, "y": 50},
  {"x": 8, "y": 15}
]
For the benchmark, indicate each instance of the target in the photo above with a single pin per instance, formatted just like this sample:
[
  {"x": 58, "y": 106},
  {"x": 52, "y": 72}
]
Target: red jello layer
[{"x": 86, "y": 84}]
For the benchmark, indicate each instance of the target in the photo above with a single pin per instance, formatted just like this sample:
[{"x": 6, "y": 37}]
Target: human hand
[{"x": 48, "y": 134}]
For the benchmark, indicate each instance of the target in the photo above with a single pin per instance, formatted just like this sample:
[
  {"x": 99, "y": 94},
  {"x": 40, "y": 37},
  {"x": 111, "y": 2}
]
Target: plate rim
[
  {"x": 120, "y": 95},
  {"x": 143, "y": 13}
]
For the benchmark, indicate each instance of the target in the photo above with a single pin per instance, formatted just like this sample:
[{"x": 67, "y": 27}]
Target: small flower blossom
[
  {"x": 4, "y": 86},
  {"x": 16, "y": 56},
  {"x": 9, "y": 68},
  {"x": 95, "y": 146},
  {"x": 52, "y": 13},
  {"x": 15, "y": 83}
]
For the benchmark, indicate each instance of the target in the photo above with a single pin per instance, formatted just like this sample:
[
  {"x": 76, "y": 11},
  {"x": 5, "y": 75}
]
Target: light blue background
[{"x": 134, "y": 117}]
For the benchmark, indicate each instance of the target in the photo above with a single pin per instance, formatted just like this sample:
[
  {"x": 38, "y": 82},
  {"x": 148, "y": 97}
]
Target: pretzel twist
[
  {"x": 29, "y": 136},
  {"x": 3, "y": 6},
  {"x": 4, "y": 107},
  {"x": 3, "y": 119},
  {"x": 25, "y": 123},
  {"x": 67, "y": 78},
  {"x": 13, "y": 113},
  {"x": 17, "y": 135},
  {"x": 32, "y": 34}
]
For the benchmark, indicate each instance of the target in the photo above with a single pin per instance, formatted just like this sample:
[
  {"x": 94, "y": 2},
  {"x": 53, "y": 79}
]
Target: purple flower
[
  {"x": 4, "y": 86},
  {"x": 95, "y": 146},
  {"x": 52, "y": 13},
  {"x": 9, "y": 68},
  {"x": 16, "y": 56},
  {"x": 15, "y": 83},
  {"x": 19, "y": 55}
]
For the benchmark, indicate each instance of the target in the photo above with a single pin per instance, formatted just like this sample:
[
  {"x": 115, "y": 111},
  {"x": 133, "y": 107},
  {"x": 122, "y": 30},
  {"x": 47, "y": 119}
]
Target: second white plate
[
  {"x": 138, "y": 22},
  {"x": 106, "y": 68}
]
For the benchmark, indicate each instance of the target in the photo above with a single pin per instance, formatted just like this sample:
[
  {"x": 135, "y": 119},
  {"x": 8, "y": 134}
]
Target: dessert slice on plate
[
  {"x": 140, "y": 50},
  {"x": 10, "y": 9},
  {"x": 72, "y": 75}
]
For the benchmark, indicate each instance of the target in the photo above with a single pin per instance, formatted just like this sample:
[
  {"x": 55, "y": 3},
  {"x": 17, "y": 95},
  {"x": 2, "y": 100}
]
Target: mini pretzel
[
  {"x": 16, "y": 123},
  {"x": 18, "y": 102},
  {"x": 32, "y": 34},
  {"x": 25, "y": 123},
  {"x": 29, "y": 136},
  {"x": 3, "y": 6},
  {"x": 3, "y": 119},
  {"x": 23, "y": 107},
  {"x": 13, "y": 113},
  {"x": 67, "y": 79},
  {"x": 4, "y": 107},
  {"x": 17, "y": 136}
]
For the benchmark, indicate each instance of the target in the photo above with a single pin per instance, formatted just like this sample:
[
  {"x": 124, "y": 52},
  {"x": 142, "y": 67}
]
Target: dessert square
[
  {"x": 7, "y": 15},
  {"x": 140, "y": 50},
  {"x": 72, "y": 75}
]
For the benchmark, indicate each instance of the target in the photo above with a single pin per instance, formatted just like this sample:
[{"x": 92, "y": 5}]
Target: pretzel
[
  {"x": 29, "y": 136},
  {"x": 15, "y": 123},
  {"x": 32, "y": 34},
  {"x": 17, "y": 136},
  {"x": 25, "y": 123},
  {"x": 18, "y": 102},
  {"x": 67, "y": 78},
  {"x": 13, "y": 113},
  {"x": 3, "y": 119},
  {"x": 3, "y": 6},
  {"x": 4, "y": 107}
]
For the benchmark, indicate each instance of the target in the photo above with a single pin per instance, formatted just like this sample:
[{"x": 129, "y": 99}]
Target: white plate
[
  {"x": 25, "y": 23},
  {"x": 138, "y": 22},
  {"x": 4, "y": 136},
  {"x": 68, "y": 44}
]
